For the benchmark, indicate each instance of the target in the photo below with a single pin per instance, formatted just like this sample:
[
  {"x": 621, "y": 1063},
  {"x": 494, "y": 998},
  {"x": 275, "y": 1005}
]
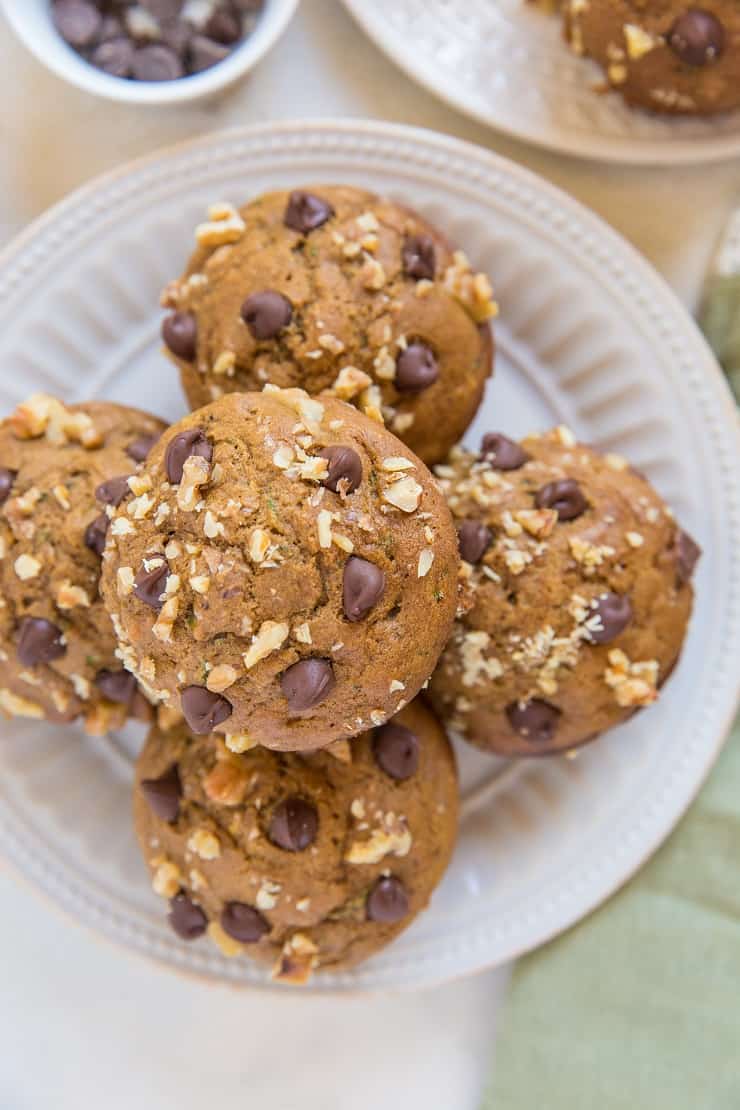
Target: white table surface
[{"x": 81, "y": 1023}]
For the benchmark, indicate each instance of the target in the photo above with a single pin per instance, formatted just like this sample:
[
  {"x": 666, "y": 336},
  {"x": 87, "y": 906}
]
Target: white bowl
[{"x": 31, "y": 21}]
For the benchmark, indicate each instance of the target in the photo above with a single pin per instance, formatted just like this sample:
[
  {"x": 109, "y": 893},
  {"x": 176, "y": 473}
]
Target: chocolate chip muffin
[
  {"x": 302, "y": 862},
  {"x": 665, "y": 55},
  {"x": 288, "y": 571},
  {"x": 62, "y": 470},
  {"x": 580, "y": 592},
  {"x": 335, "y": 289}
]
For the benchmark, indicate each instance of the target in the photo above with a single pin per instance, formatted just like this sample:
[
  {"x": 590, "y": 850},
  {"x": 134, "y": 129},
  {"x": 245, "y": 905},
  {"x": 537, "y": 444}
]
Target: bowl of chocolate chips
[{"x": 149, "y": 51}]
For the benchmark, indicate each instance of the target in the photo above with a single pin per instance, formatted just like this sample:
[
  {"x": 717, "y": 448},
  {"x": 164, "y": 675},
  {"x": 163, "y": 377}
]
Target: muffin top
[
  {"x": 579, "y": 594},
  {"x": 665, "y": 55},
  {"x": 303, "y": 862},
  {"x": 335, "y": 289},
  {"x": 287, "y": 570},
  {"x": 62, "y": 468}
]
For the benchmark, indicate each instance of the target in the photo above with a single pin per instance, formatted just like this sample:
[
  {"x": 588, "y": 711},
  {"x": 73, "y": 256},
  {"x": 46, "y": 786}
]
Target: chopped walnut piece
[
  {"x": 226, "y": 783},
  {"x": 634, "y": 684},
  {"x": 393, "y": 463},
  {"x": 224, "y": 225},
  {"x": 323, "y": 524},
  {"x": 195, "y": 473},
  {"x": 587, "y": 554},
  {"x": 221, "y": 677},
  {"x": 308, "y": 408},
  {"x": 204, "y": 844},
  {"x": 426, "y": 558},
  {"x": 538, "y": 522},
  {"x": 72, "y": 597},
  {"x": 239, "y": 742},
  {"x": 404, "y": 495},
  {"x": 167, "y": 878},
  {"x": 475, "y": 666},
  {"x": 349, "y": 382},
  {"x": 270, "y": 637},
  {"x": 44, "y": 415},
  {"x": 372, "y": 275},
  {"x": 15, "y": 706},
  {"x": 26, "y": 567},
  {"x": 473, "y": 291},
  {"x": 225, "y": 364},
  {"x": 391, "y": 839},
  {"x": 297, "y": 960}
]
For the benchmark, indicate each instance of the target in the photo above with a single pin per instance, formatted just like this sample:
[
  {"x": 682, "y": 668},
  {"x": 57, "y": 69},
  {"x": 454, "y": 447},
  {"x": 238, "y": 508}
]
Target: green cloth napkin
[
  {"x": 638, "y": 1008},
  {"x": 720, "y": 320}
]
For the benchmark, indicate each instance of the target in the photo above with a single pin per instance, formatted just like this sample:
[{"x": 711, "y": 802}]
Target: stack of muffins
[{"x": 272, "y": 581}]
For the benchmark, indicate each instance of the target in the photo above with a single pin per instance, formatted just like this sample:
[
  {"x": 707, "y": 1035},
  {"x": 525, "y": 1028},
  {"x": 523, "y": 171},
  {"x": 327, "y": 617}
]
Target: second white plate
[
  {"x": 504, "y": 62},
  {"x": 589, "y": 336}
]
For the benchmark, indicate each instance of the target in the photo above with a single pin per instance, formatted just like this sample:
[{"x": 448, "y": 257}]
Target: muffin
[
  {"x": 301, "y": 862},
  {"x": 580, "y": 592},
  {"x": 62, "y": 469},
  {"x": 288, "y": 572},
  {"x": 662, "y": 54},
  {"x": 335, "y": 289}
]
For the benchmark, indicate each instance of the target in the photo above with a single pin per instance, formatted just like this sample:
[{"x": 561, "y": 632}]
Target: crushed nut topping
[
  {"x": 204, "y": 844},
  {"x": 224, "y": 225},
  {"x": 634, "y": 684},
  {"x": 270, "y": 637}
]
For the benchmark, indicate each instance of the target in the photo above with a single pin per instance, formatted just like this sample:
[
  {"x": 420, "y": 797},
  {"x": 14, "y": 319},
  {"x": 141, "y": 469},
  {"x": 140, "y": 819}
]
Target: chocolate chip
[
  {"x": 7, "y": 477},
  {"x": 96, "y": 534},
  {"x": 39, "y": 641},
  {"x": 307, "y": 683},
  {"x": 77, "y": 21},
  {"x": 473, "y": 540},
  {"x": 697, "y": 37},
  {"x": 244, "y": 923},
  {"x": 203, "y": 710},
  {"x": 305, "y": 211},
  {"x": 194, "y": 441},
  {"x": 156, "y": 63},
  {"x": 266, "y": 313},
  {"x": 416, "y": 368},
  {"x": 564, "y": 496},
  {"x": 502, "y": 453},
  {"x": 140, "y": 448},
  {"x": 205, "y": 52},
  {"x": 614, "y": 612},
  {"x": 388, "y": 901},
  {"x": 117, "y": 686},
  {"x": 180, "y": 333},
  {"x": 418, "y": 257},
  {"x": 536, "y": 720},
  {"x": 163, "y": 794},
  {"x": 687, "y": 556},
  {"x": 113, "y": 491},
  {"x": 149, "y": 585},
  {"x": 396, "y": 751},
  {"x": 362, "y": 587},
  {"x": 294, "y": 825},
  {"x": 223, "y": 26},
  {"x": 187, "y": 919},
  {"x": 345, "y": 466},
  {"x": 114, "y": 56}
]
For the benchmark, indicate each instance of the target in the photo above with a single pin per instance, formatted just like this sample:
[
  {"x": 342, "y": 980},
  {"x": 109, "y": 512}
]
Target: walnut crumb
[{"x": 204, "y": 844}]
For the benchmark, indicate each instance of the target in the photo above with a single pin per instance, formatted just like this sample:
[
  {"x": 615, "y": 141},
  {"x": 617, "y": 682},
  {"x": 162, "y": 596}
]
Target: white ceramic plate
[
  {"x": 589, "y": 335},
  {"x": 504, "y": 62}
]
